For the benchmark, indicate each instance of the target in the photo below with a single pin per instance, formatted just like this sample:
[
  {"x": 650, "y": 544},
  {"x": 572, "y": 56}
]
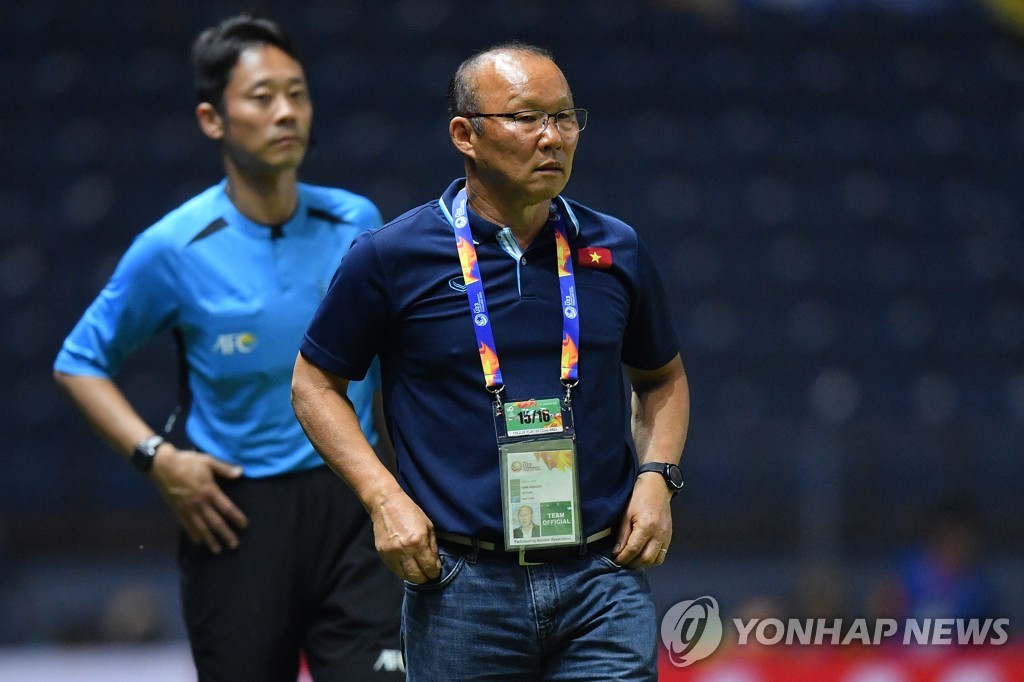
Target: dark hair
[
  {"x": 215, "y": 52},
  {"x": 462, "y": 88}
]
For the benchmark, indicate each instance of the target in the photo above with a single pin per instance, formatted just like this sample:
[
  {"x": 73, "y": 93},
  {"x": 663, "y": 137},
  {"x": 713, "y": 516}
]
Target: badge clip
[{"x": 524, "y": 562}]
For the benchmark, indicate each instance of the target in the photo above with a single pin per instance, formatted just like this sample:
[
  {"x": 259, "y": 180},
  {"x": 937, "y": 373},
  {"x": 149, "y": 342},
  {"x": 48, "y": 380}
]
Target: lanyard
[{"x": 478, "y": 302}]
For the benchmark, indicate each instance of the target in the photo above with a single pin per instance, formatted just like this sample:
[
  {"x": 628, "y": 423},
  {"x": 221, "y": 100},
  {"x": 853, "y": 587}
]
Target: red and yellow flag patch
[{"x": 594, "y": 257}]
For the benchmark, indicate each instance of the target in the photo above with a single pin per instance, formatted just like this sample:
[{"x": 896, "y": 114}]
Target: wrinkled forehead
[{"x": 508, "y": 76}]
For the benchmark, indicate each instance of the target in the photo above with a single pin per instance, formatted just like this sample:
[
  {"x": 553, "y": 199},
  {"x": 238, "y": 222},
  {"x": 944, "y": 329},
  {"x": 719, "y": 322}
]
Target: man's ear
[
  {"x": 210, "y": 121},
  {"x": 463, "y": 135}
]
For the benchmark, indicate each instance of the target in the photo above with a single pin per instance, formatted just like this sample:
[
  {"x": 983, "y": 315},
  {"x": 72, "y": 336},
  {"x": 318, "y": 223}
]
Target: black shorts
[{"x": 305, "y": 578}]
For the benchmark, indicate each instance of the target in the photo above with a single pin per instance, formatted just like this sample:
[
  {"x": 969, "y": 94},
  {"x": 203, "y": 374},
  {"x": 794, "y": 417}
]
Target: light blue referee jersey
[{"x": 241, "y": 294}]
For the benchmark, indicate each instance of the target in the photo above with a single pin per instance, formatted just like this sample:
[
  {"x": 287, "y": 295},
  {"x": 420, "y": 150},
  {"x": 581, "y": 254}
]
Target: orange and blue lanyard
[{"x": 459, "y": 218}]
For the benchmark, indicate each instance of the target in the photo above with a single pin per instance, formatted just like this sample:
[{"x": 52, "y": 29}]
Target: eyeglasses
[{"x": 534, "y": 121}]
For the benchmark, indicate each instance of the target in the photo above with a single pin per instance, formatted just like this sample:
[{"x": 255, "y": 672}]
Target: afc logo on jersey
[{"x": 239, "y": 342}]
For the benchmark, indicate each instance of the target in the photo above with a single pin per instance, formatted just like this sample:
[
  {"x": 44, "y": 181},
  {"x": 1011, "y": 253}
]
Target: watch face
[{"x": 675, "y": 476}]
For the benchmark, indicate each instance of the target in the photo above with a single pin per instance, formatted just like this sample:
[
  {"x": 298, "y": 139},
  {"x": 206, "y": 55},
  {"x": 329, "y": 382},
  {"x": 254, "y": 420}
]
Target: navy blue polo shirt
[{"x": 399, "y": 294}]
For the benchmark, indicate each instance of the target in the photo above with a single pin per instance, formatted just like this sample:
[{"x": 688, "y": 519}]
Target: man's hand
[
  {"x": 187, "y": 480},
  {"x": 405, "y": 540},
  {"x": 646, "y": 528}
]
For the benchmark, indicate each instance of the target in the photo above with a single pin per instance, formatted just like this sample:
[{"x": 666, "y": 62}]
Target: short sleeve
[
  {"x": 650, "y": 340},
  {"x": 137, "y": 303}
]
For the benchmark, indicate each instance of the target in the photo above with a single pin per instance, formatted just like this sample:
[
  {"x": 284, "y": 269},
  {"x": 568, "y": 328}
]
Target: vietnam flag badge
[{"x": 594, "y": 257}]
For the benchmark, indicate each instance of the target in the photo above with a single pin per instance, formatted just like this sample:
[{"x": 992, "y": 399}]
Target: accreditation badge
[{"x": 537, "y": 455}]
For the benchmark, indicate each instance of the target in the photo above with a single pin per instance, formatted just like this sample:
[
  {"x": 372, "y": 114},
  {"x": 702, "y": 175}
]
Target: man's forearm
[
  {"x": 661, "y": 412},
  {"x": 331, "y": 424},
  {"x": 106, "y": 409}
]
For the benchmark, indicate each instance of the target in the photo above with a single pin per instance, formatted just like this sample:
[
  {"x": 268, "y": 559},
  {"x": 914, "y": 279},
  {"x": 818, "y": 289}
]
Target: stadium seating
[{"x": 833, "y": 201}]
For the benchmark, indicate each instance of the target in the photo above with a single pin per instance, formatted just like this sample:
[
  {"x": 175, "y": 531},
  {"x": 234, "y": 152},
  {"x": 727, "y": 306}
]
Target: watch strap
[
  {"x": 145, "y": 451},
  {"x": 670, "y": 472}
]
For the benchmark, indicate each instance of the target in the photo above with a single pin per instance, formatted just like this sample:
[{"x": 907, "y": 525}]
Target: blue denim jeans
[{"x": 488, "y": 618}]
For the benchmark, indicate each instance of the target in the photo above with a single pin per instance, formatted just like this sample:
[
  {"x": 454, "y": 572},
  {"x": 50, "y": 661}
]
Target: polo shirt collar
[{"x": 482, "y": 228}]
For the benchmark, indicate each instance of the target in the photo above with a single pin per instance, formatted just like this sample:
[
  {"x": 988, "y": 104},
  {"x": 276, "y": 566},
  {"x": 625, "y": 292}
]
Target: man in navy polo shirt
[{"x": 502, "y": 314}]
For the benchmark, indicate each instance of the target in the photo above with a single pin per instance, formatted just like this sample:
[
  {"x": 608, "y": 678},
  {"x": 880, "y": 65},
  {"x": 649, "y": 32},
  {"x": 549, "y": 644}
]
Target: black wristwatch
[
  {"x": 144, "y": 452},
  {"x": 672, "y": 474}
]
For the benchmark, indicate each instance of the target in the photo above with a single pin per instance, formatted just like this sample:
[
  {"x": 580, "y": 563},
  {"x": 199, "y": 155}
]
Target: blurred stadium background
[{"x": 831, "y": 188}]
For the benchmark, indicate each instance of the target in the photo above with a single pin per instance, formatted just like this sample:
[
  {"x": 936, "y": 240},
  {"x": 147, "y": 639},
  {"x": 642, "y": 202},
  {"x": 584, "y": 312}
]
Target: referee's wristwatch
[
  {"x": 144, "y": 452},
  {"x": 672, "y": 474}
]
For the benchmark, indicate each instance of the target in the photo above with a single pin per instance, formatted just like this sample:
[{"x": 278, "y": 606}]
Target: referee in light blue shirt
[{"x": 277, "y": 557}]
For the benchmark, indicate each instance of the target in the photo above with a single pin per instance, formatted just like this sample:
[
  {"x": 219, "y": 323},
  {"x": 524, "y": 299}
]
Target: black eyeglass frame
[{"x": 582, "y": 120}]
